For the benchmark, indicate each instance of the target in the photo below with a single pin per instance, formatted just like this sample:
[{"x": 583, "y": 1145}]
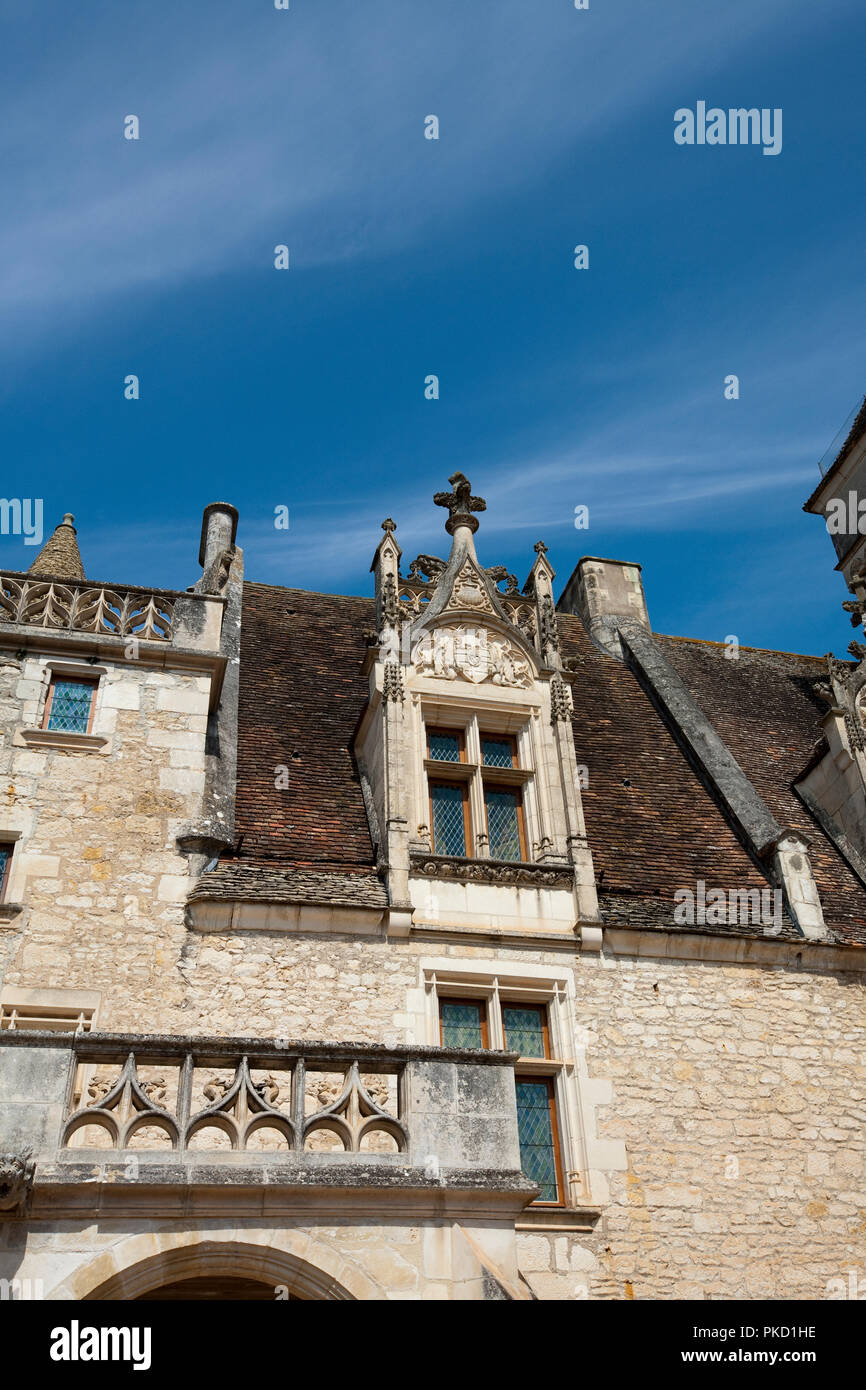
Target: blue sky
[{"x": 558, "y": 387}]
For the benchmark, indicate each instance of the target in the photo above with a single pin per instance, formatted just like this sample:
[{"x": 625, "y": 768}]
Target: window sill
[
  {"x": 552, "y": 1218},
  {"x": 9, "y": 911},
  {"x": 538, "y": 1066},
  {"x": 462, "y": 772},
  {"x": 54, "y": 738}
]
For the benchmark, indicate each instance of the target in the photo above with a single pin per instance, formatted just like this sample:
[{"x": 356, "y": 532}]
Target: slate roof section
[{"x": 232, "y": 882}]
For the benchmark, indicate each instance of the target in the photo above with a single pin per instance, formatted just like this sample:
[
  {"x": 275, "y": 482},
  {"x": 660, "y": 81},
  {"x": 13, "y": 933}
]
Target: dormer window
[
  {"x": 475, "y": 784},
  {"x": 498, "y": 752},
  {"x": 450, "y": 821}
]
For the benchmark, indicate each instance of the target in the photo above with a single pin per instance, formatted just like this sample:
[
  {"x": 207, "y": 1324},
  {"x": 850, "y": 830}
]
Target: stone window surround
[
  {"x": 453, "y": 978},
  {"x": 8, "y": 909},
  {"x": 56, "y": 1010},
  {"x": 473, "y": 720},
  {"x": 53, "y": 1010},
  {"x": 35, "y": 736},
  {"x": 8, "y": 839}
]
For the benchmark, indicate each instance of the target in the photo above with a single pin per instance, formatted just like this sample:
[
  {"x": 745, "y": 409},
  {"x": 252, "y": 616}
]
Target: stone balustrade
[
  {"x": 179, "y": 1108},
  {"x": 146, "y": 614}
]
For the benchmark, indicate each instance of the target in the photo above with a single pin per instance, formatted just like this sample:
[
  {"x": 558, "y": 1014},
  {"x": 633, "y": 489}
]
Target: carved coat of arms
[{"x": 472, "y": 654}]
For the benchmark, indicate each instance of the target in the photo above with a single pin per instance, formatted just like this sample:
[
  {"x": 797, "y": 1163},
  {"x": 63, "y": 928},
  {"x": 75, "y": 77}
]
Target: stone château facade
[{"x": 447, "y": 943}]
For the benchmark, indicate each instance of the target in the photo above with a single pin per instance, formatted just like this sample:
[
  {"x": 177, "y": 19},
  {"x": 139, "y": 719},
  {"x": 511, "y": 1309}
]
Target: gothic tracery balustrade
[
  {"x": 52, "y": 603},
  {"x": 316, "y": 1103},
  {"x": 415, "y": 594}
]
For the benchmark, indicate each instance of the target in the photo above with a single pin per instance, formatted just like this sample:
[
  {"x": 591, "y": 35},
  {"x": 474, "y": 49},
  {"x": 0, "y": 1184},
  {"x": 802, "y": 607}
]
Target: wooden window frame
[
  {"x": 536, "y": 1074},
  {"x": 553, "y": 1111},
  {"x": 467, "y": 818},
  {"x": 459, "y": 734},
  {"x": 466, "y": 999},
  {"x": 72, "y": 676},
  {"x": 5, "y": 876},
  {"x": 545, "y": 1025},
  {"x": 521, "y": 819},
  {"x": 498, "y": 738}
]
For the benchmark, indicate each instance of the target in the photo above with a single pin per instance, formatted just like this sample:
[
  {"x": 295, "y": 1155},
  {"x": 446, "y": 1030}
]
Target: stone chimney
[
  {"x": 603, "y": 594},
  {"x": 219, "y": 527}
]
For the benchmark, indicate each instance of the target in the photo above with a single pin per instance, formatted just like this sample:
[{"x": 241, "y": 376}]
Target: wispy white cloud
[{"x": 259, "y": 129}]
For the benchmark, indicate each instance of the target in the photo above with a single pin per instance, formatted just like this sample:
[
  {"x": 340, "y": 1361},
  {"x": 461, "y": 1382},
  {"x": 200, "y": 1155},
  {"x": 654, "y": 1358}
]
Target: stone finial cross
[
  {"x": 460, "y": 503},
  {"x": 388, "y": 526}
]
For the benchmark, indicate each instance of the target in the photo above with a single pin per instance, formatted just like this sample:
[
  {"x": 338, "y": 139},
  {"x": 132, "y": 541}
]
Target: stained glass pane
[
  {"x": 449, "y": 834},
  {"x": 524, "y": 1030},
  {"x": 70, "y": 706},
  {"x": 461, "y": 1024},
  {"x": 502, "y": 823},
  {"x": 5, "y": 854},
  {"x": 445, "y": 748},
  {"x": 535, "y": 1128},
  {"x": 496, "y": 752}
]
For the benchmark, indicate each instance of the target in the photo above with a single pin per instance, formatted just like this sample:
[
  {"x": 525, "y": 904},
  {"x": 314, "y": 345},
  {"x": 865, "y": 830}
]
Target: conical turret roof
[{"x": 59, "y": 557}]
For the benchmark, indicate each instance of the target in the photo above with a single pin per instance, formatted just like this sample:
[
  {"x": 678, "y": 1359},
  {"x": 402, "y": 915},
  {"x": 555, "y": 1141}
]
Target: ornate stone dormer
[{"x": 466, "y": 750}]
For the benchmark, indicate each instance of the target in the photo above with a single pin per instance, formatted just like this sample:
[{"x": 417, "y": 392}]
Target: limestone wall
[
  {"x": 737, "y": 1090},
  {"x": 96, "y": 864},
  {"x": 740, "y": 1092},
  {"x": 341, "y": 1255}
]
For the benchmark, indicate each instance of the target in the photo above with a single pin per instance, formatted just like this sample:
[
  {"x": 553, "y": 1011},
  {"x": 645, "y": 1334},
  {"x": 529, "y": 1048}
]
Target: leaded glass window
[
  {"x": 503, "y": 827},
  {"x": 445, "y": 748},
  {"x": 463, "y": 1022},
  {"x": 497, "y": 752},
  {"x": 70, "y": 706},
  {"x": 525, "y": 1029},
  {"x": 449, "y": 825},
  {"x": 5, "y": 860},
  {"x": 535, "y": 1127}
]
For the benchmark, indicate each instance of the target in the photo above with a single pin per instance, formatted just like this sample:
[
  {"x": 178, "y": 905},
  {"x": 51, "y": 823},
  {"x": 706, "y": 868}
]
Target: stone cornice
[
  {"x": 161, "y": 656},
  {"x": 799, "y": 954},
  {"x": 316, "y": 1192},
  {"x": 210, "y": 1050}
]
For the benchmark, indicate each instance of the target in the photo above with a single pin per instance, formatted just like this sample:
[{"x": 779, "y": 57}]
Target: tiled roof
[
  {"x": 653, "y": 826},
  {"x": 766, "y": 708},
  {"x": 301, "y": 695}
]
